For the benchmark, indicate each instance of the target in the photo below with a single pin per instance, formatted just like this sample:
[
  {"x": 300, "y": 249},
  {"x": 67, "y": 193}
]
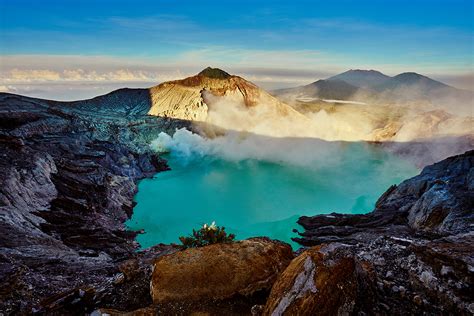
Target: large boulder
[
  {"x": 378, "y": 276},
  {"x": 323, "y": 280},
  {"x": 219, "y": 271}
]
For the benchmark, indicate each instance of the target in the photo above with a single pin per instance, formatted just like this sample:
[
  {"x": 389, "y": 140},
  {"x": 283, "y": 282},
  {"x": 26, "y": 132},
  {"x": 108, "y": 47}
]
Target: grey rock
[
  {"x": 423, "y": 232},
  {"x": 68, "y": 177}
]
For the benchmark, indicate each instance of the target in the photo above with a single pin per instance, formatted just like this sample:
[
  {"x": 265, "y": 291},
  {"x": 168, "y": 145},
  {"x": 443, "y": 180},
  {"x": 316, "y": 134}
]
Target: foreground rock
[
  {"x": 416, "y": 248},
  {"x": 324, "y": 280},
  {"x": 219, "y": 271}
]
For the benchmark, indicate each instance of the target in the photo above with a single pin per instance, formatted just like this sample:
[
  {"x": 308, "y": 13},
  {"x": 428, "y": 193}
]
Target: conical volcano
[{"x": 190, "y": 98}]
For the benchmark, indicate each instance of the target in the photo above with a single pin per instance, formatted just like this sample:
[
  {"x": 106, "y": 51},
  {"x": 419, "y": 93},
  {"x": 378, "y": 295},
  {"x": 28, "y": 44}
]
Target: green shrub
[{"x": 206, "y": 235}]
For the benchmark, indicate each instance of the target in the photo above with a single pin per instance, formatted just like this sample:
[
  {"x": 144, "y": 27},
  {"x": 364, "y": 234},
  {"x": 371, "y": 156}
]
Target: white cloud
[
  {"x": 294, "y": 67},
  {"x": 46, "y": 75},
  {"x": 78, "y": 75}
]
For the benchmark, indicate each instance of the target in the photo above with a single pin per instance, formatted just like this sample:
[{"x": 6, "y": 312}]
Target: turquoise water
[{"x": 259, "y": 198}]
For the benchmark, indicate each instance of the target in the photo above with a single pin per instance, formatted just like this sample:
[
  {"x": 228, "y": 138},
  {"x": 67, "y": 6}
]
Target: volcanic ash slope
[{"x": 226, "y": 101}]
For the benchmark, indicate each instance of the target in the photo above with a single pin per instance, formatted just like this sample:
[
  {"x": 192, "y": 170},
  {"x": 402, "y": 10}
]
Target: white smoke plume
[
  {"x": 231, "y": 113},
  {"x": 315, "y": 136},
  {"x": 237, "y": 146}
]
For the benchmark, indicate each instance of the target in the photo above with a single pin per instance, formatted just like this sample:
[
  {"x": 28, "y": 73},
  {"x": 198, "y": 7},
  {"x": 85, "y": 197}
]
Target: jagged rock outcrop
[
  {"x": 418, "y": 242},
  {"x": 383, "y": 275},
  {"x": 323, "y": 280},
  {"x": 439, "y": 201},
  {"x": 68, "y": 177},
  {"x": 219, "y": 271}
]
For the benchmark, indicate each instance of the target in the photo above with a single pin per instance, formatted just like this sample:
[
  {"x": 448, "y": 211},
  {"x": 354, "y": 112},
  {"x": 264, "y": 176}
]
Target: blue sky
[{"x": 102, "y": 44}]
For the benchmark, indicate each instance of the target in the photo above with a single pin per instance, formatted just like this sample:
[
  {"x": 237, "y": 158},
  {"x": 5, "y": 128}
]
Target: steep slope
[
  {"x": 67, "y": 183},
  {"x": 192, "y": 97},
  {"x": 126, "y": 101},
  {"x": 361, "y": 78}
]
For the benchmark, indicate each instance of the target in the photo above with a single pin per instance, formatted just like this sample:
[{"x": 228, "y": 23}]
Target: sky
[{"x": 71, "y": 49}]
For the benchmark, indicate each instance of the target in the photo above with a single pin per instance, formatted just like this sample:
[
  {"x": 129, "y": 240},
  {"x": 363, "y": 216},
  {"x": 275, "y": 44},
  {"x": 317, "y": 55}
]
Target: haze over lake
[{"x": 259, "y": 196}]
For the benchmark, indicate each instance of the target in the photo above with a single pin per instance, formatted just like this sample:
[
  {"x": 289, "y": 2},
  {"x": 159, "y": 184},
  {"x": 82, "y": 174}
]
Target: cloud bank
[{"x": 41, "y": 75}]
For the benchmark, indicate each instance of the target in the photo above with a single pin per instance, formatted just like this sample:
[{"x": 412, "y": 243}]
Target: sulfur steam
[{"x": 314, "y": 134}]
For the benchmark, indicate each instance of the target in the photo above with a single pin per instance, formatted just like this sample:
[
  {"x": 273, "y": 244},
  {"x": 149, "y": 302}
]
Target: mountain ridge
[
  {"x": 376, "y": 86},
  {"x": 411, "y": 78},
  {"x": 326, "y": 89},
  {"x": 361, "y": 78}
]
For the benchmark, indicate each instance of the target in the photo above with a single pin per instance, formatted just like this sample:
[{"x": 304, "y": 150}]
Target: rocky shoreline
[
  {"x": 69, "y": 174},
  {"x": 417, "y": 245}
]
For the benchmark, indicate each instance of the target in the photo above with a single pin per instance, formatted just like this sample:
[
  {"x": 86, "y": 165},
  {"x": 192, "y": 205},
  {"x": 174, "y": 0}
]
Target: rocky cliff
[
  {"x": 414, "y": 251},
  {"x": 68, "y": 177}
]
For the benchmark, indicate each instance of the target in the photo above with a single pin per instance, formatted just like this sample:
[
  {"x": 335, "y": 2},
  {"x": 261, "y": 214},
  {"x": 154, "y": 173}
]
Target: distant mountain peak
[
  {"x": 361, "y": 78},
  {"x": 410, "y": 78},
  {"x": 372, "y": 85},
  {"x": 214, "y": 73},
  {"x": 363, "y": 71},
  {"x": 412, "y": 75},
  {"x": 334, "y": 89}
]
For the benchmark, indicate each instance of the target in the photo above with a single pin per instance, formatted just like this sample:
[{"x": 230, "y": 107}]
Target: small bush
[{"x": 207, "y": 235}]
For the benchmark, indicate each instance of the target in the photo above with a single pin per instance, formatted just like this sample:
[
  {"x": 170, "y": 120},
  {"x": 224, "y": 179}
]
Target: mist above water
[
  {"x": 238, "y": 146},
  {"x": 263, "y": 167},
  {"x": 275, "y": 119},
  {"x": 259, "y": 186},
  {"x": 403, "y": 122}
]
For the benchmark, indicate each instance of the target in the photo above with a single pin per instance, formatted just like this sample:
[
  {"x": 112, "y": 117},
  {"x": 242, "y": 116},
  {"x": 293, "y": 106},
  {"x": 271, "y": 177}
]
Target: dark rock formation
[
  {"x": 438, "y": 202},
  {"x": 418, "y": 243},
  {"x": 68, "y": 177}
]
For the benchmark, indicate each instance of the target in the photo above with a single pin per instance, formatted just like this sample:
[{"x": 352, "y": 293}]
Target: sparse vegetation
[{"x": 206, "y": 235}]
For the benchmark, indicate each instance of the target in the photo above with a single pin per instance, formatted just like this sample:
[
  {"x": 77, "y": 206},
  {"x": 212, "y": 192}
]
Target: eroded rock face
[
  {"x": 68, "y": 177},
  {"x": 186, "y": 99},
  {"x": 419, "y": 241},
  {"x": 323, "y": 280},
  {"x": 219, "y": 271},
  {"x": 439, "y": 200}
]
